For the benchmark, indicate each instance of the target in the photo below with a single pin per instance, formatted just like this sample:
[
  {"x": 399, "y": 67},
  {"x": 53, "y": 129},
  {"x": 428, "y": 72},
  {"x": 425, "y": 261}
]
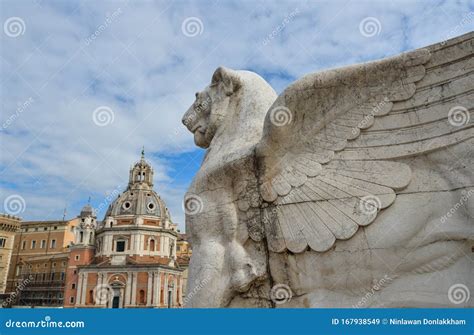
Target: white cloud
[{"x": 141, "y": 65}]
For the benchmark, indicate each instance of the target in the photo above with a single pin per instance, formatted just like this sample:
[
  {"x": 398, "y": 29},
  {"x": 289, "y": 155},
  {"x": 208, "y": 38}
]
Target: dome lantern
[{"x": 141, "y": 174}]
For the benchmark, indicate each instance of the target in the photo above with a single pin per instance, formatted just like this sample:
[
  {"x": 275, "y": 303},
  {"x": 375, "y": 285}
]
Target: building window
[
  {"x": 152, "y": 245},
  {"x": 53, "y": 244},
  {"x": 55, "y": 228},
  {"x": 73, "y": 286},
  {"x": 43, "y": 244},
  {"x": 71, "y": 300},
  {"x": 77, "y": 257},
  {"x": 3, "y": 242},
  {"x": 23, "y": 245},
  {"x": 81, "y": 237},
  {"x": 120, "y": 246},
  {"x": 33, "y": 244},
  {"x": 54, "y": 264},
  {"x": 45, "y": 228},
  {"x": 91, "y": 297},
  {"x": 141, "y": 299},
  {"x": 45, "y": 265},
  {"x": 75, "y": 272},
  {"x": 36, "y": 229}
]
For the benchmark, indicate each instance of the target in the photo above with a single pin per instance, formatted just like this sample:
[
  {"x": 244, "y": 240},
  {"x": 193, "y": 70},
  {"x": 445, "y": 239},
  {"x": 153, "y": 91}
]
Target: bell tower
[{"x": 84, "y": 232}]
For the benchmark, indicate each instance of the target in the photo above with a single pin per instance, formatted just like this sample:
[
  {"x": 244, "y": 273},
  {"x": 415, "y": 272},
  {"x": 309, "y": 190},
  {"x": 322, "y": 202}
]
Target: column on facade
[
  {"x": 165, "y": 291},
  {"x": 157, "y": 289},
  {"x": 137, "y": 244},
  {"x": 175, "y": 291},
  {"x": 142, "y": 240},
  {"x": 109, "y": 243},
  {"x": 79, "y": 289},
  {"x": 179, "y": 283},
  {"x": 134, "y": 288},
  {"x": 149, "y": 289},
  {"x": 84, "y": 288},
  {"x": 101, "y": 280},
  {"x": 128, "y": 288}
]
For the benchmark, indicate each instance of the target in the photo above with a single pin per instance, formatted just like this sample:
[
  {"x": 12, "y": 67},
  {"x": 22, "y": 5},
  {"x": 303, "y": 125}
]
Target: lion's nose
[
  {"x": 184, "y": 120},
  {"x": 188, "y": 119}
]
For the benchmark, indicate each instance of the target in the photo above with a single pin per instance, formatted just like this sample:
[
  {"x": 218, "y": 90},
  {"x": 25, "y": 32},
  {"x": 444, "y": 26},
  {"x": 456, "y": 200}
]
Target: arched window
[
  {"x": 91, "y": 236},
  {"x": 152, "y": 245},
  {"x": 141, "y": 298},
  {"x": 81, "y": 237}
]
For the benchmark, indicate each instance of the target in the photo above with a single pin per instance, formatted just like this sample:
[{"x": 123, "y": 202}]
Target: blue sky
[{"x": 86, "y": 84}]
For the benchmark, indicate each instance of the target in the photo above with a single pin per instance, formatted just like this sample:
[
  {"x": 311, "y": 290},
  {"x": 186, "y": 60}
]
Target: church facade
[{"x": 129, "y": 259}]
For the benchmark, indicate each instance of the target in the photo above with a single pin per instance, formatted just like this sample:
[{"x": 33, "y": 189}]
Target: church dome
[
  {"x": 138, "y": 202},
  {"x": 87, "y": 210},
  {"x": 139, "y": 198}
]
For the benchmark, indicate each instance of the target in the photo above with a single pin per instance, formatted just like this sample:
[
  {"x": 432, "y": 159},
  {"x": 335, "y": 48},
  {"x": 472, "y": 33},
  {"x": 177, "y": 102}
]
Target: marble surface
[{"x": 352, "y": 188}]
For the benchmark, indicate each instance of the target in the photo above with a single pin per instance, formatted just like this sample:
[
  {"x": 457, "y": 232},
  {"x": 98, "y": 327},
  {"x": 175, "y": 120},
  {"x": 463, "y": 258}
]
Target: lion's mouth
[{"x": 196, "y": 128}]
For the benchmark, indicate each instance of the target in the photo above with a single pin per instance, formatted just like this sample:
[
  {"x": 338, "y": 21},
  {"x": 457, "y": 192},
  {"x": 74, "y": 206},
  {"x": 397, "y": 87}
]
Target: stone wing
[{"x": 327, "y": 159}]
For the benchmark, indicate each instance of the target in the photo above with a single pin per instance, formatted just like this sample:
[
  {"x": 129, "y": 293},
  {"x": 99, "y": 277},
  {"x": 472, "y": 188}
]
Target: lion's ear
[{"x": 226, "y": 79}]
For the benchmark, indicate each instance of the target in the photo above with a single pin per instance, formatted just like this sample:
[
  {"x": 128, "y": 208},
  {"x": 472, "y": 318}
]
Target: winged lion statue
[{"x": 352, "y": 188}]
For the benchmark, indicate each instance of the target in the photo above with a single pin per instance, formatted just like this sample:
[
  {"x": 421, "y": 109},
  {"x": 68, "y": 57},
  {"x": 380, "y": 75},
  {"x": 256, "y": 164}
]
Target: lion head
[{"x": 207, "y": 112}]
